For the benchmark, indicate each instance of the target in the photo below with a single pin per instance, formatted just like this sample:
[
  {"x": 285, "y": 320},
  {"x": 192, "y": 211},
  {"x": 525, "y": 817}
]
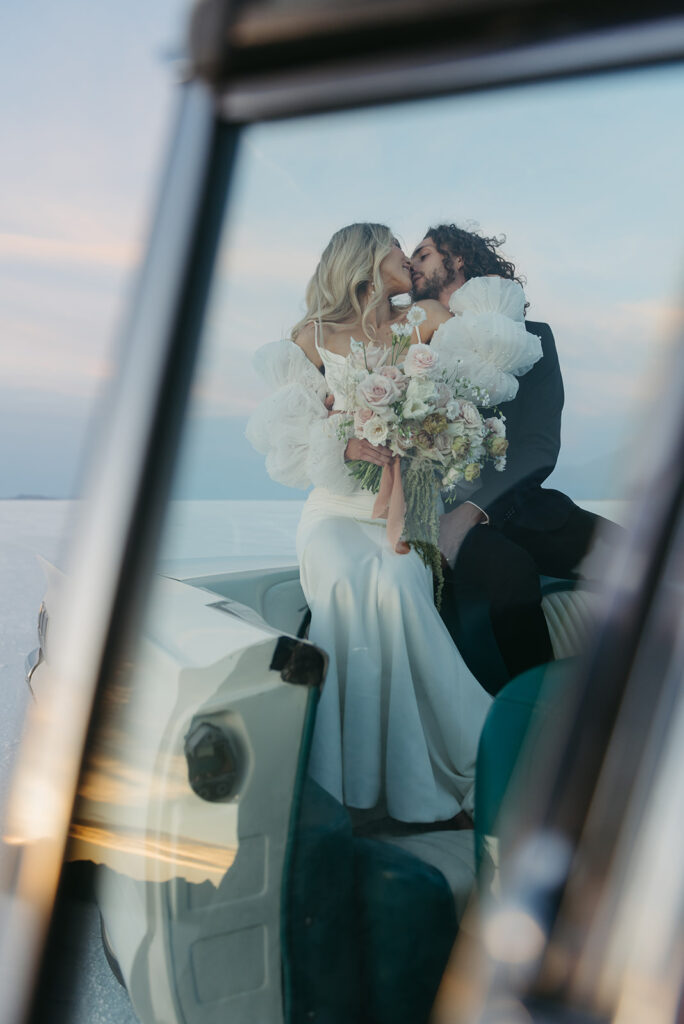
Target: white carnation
[{"x": 470, "y": 415}]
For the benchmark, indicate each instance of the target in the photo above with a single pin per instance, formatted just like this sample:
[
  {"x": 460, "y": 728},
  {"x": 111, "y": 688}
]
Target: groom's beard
[{"x": 432, "y": 286}]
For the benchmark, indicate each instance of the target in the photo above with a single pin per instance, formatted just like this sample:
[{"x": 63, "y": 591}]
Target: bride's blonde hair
[{"x": 347, "y": 275}]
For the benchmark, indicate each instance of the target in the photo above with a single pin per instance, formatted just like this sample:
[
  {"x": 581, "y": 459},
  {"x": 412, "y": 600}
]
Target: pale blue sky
[
  {"x": 583, "y": 177},
  {"x": 87, "y": 96}
]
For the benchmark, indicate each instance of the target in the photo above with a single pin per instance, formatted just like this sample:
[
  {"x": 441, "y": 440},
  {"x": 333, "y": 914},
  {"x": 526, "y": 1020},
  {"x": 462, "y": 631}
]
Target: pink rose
[
  {"x": 420, "y": 361},
  {"x": 377, "y": 391},
  {"x": 395, "y": 374}
]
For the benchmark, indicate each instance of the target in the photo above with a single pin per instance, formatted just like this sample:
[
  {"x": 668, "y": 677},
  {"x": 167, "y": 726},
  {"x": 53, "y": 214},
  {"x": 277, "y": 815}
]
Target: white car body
[{"x": 206, "y": 655}]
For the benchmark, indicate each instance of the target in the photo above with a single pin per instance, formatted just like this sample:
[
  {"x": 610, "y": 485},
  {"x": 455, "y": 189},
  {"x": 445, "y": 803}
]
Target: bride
[{"x": 400, "y": 714}]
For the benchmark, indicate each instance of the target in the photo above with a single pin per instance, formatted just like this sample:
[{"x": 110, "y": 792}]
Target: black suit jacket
[{"x": 533, "y": 421}]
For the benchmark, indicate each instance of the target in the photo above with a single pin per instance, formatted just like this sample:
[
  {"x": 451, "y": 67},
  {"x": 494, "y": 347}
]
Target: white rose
[
  {"x": 375, "y": 430},
  {"x": 453, "y": 409},
  {"x": 420, "y": 361},
  {"x": 377, "y": 391}
]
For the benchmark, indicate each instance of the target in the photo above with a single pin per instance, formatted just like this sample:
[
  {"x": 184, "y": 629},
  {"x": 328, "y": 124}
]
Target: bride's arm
[
  {"x": 306, "y": 339},
  {"x": 303, "y": 445}
]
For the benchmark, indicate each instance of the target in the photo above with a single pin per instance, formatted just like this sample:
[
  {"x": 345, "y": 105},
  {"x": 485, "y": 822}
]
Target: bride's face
[{"x": 395, "y": 271}]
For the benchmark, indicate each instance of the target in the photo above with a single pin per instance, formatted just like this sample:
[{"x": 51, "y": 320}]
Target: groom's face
[{"x": 429, "y": 278}]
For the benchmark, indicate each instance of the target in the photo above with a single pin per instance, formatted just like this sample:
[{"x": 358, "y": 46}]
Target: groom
[{"x": 513, "y": 530}]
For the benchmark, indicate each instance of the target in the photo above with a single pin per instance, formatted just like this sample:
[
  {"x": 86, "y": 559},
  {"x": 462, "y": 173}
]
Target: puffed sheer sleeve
[
  {"x": 292, "y": 427},
  {"x": 485, "y": 340}
]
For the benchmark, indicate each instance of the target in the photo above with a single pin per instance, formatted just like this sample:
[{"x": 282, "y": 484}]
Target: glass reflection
[{"x": 247, "y": 554}]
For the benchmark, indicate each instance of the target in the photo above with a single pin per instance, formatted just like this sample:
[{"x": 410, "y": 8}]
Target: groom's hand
[
  {"x": 453, "y": 527},
  {"x": 367, "y": 452}
]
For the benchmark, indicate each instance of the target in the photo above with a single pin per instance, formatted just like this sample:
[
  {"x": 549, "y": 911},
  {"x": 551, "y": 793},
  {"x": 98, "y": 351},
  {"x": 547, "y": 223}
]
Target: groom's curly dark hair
[{"x": 479, "y": 254}]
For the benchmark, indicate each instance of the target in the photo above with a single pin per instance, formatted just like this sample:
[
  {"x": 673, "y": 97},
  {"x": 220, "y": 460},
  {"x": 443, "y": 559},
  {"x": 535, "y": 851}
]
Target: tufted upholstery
[{"x": 570, "y": 614}]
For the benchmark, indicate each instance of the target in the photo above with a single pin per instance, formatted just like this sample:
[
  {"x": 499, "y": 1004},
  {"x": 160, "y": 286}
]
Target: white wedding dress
[{"x": 400, "y": 714}]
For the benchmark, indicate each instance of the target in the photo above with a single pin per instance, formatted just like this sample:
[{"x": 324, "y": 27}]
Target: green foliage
[
  {"x": 367, "y": 473},
  {"x": 421, "y": 523}
]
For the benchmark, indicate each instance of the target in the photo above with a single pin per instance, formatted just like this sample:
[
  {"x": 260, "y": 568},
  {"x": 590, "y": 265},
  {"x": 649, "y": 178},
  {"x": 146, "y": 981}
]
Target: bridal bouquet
[{"x": 401, "y": 397}]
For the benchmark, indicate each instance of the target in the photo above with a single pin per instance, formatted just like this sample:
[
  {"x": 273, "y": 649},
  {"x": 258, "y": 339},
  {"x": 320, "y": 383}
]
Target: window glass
[
  {"x": 567, "y": 172},
  {"x": 197, "y": 782}
]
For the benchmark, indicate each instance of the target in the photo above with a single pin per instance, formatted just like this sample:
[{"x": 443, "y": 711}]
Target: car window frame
[{"x": 132, "y": 457}]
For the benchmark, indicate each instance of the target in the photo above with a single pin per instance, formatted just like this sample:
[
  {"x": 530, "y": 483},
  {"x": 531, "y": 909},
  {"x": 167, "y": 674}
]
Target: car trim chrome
[
  {"x": 310, "y": 89},
  {"x": 31, "y": 663}
]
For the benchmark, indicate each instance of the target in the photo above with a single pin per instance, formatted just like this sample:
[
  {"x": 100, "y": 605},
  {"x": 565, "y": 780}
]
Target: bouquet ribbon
[{"x": 390, "y": 504}]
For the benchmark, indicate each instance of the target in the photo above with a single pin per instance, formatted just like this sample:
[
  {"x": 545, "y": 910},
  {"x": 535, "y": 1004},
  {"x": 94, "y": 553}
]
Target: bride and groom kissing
[{"x": 400, "y": 713}]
